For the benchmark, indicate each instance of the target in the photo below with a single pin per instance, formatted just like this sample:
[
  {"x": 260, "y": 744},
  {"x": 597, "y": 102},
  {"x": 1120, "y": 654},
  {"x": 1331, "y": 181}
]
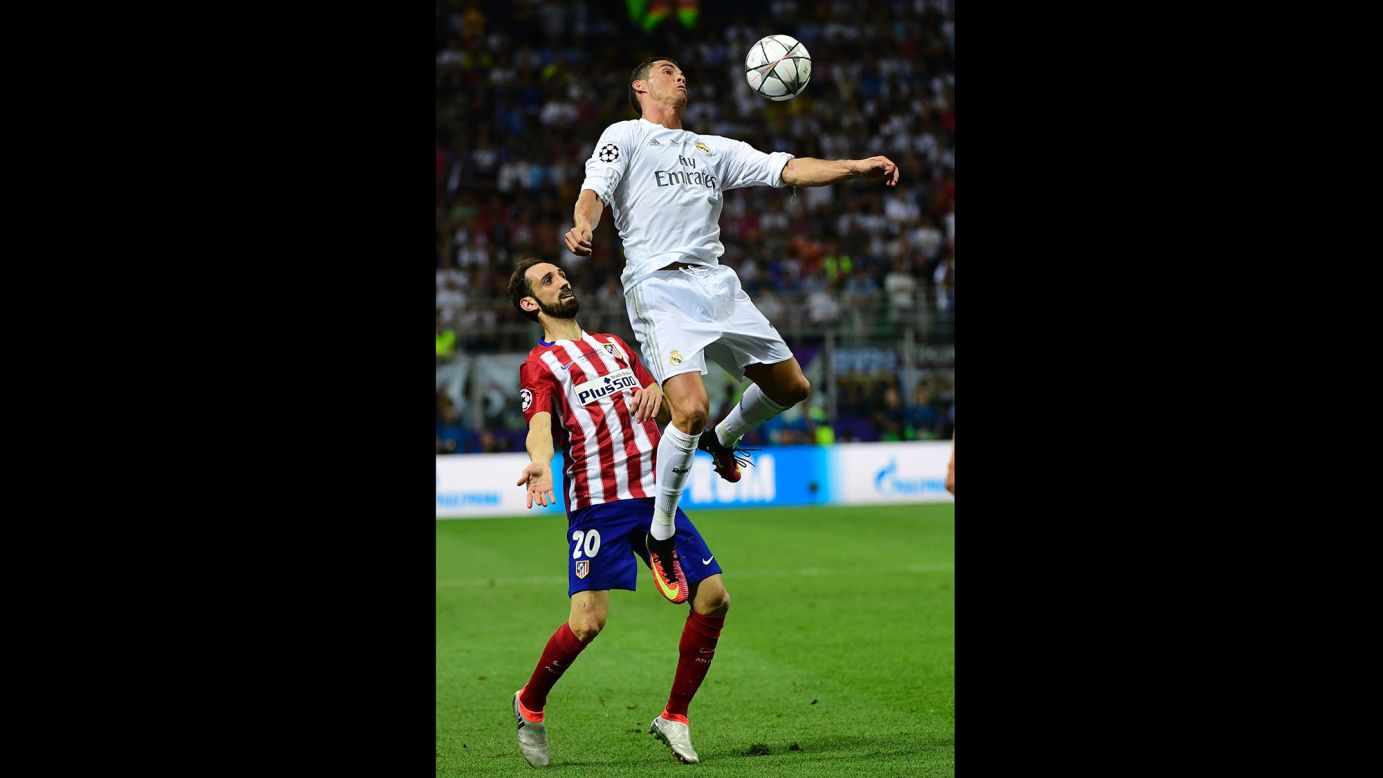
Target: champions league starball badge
[{"x": 608, "y": 153}]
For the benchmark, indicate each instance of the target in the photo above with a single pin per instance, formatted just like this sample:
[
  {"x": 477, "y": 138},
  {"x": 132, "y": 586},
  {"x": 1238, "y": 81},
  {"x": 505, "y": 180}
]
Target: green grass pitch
[{"x": 837, "y": 658}]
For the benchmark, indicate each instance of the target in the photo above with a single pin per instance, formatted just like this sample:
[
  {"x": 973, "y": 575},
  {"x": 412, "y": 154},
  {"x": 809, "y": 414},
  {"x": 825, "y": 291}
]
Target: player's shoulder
[
  {"x": 606, "y": 337},
  {"x": 620, "y": 139},
  {"x": 602, "y": 337},
  {"x": 535, "y": 356},
  {"x": 626, "y": 128}
]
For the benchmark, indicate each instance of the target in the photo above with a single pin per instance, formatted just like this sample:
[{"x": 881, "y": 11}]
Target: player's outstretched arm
[
  {"x": 586, "y": 218},
  {"x": 809, "y": 171},
  {"x": 538, "y": 474}
]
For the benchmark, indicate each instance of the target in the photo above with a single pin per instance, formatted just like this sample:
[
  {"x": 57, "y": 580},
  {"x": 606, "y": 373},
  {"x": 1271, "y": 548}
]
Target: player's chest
[
  {"x": 674, "y": 166},
  {"x": 593, "y": 380},
  {"x": 593, "y": 388}
]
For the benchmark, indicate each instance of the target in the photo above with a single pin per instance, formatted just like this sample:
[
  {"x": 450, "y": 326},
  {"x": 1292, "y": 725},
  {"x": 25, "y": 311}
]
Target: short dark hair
[
  {"x": 519, "y": 287},
  {"x": 641, "y": 74}
]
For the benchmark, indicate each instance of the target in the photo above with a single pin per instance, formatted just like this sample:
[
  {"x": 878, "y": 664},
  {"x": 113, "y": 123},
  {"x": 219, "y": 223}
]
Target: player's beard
[{"x": 564, "y": 309}]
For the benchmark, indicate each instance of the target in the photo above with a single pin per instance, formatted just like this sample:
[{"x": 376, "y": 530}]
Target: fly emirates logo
[
  {"x": 688, "y": 176},
  {"x": 606, "y": 385}
]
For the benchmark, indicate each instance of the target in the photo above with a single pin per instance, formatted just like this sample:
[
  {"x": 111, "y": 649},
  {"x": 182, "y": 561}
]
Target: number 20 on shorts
[{"x": 591, "y": 544}]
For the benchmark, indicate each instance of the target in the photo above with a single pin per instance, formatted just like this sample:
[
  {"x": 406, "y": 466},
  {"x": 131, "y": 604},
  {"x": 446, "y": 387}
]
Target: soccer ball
[{"x": 778, "y": 67}]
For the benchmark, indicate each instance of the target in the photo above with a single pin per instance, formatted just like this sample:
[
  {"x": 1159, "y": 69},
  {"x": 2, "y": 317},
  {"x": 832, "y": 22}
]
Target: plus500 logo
[{"x": 606, "y": 385}]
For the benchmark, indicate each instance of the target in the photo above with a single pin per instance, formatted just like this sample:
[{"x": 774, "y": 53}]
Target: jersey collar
[{"x": 542, "y": 342}]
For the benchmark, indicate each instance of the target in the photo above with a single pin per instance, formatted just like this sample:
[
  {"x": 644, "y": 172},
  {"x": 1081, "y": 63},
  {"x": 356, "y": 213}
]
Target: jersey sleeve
[
  {"x": 535, "y": 389},
  {"x": 609, "y": 161},
  {"x": 640, "y": 372},
  {"x": 747, "y": 166}
]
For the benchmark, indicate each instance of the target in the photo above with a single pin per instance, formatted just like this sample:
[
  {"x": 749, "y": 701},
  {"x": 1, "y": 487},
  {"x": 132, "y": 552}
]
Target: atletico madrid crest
[{"x": 583, "y": 566}]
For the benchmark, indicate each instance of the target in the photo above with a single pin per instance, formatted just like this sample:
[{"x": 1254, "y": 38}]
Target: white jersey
[{"x": 676, "y": 180}]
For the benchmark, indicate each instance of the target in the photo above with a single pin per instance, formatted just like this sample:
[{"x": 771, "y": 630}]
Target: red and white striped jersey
[{"x": 587, "y": 386}]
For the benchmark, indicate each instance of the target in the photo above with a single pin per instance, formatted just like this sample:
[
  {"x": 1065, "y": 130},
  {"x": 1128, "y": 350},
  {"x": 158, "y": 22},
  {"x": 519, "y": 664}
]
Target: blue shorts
[{"x": 603, "y": 539}]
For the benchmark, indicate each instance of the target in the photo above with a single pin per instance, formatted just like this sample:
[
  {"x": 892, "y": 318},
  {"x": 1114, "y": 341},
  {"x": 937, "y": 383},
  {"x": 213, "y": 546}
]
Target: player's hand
[
  {"x": 539, "y": 480},
  {"x": 951, "y": 476},
  {"x": 646, "y": 403},
  {"x": 579, "y": 241},
  {"x": 880, "y": 167}
]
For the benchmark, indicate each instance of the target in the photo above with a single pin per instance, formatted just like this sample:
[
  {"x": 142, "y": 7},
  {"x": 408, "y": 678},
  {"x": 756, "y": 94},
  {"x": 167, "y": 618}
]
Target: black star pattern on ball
[{"x": 608, "y": 153}]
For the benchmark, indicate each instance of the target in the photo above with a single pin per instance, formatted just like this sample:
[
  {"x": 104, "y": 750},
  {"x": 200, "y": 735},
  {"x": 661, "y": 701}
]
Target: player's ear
[{"x": 528, "y": 304}]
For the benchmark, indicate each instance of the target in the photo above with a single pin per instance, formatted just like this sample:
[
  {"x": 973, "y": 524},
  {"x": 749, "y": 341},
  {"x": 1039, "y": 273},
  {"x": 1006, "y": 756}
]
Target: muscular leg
[
  {"x": 685, "y": 395},
  {"x": 589, "y": 610},
  {"x": 709, "y": 604},
  {"x": 776, "y": 388}
]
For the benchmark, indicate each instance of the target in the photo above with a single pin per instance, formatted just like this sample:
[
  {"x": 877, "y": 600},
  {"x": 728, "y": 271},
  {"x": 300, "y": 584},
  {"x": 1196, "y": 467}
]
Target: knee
[
  {"x": 794, "y": 391},
  {"x": 690, "y": 420},
  {"x": 717, "y": 604},
  {"x": 586, "y": 626}
]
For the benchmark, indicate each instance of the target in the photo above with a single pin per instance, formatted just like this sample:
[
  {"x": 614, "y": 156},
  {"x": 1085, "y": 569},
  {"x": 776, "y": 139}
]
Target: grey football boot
[
  {"x": 676, "y": 736},
  {"x": 532, "y": 737}
]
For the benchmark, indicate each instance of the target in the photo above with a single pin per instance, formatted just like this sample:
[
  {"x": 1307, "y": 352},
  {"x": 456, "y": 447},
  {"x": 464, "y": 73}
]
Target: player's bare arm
[
  {"x": 538, "y": 474},
  {"x": 586, "y": 218},
  {"x": 809, "y": 171},
  {"x": 647, "y": 402}
]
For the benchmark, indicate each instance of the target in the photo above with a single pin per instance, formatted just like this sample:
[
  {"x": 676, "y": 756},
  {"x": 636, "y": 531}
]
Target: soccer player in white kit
[{"x": 666, "y": 187}]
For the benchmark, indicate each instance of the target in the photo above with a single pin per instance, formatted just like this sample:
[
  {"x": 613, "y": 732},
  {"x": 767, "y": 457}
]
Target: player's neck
[
  {"x": 668, "y": 116},
  {"x": 560, "y": 329}
]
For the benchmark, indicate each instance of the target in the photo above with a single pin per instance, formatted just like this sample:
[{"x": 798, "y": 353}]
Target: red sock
[
  {"x": 699, "y": 638},
  {"x": 562, "y": 649}
]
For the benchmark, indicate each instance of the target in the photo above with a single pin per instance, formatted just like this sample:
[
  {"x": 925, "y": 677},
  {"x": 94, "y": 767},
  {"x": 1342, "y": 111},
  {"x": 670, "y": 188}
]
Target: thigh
[
  {"x": 672, "y": 322},
  {"x": 686, "y": 391},
  {"x": 748, "y": 335},
  {"x": 774, "y": 376}
]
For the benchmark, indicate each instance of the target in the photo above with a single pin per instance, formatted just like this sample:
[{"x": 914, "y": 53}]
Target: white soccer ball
[{"x": 778, "y": 67}]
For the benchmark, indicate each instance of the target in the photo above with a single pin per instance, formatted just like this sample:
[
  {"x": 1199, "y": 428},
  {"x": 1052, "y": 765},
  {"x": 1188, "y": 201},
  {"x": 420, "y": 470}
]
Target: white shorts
[{"x": 682, "y": 317}]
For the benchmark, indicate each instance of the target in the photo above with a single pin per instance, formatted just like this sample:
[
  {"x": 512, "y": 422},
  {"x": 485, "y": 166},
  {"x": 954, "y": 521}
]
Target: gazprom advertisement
[{"x": 482, "y": 485}]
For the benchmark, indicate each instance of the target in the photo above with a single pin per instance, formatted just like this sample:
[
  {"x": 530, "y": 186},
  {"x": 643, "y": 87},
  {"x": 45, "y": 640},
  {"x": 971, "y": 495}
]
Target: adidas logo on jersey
[{"x": 655, "y": 143}]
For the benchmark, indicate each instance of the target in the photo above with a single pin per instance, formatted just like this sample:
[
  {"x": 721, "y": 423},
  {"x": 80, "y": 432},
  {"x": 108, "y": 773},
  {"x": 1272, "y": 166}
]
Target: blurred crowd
[{"x": 524, "y": 89}]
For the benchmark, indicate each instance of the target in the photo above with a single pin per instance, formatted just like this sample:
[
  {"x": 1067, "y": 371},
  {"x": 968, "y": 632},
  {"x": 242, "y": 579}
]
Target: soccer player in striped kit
[{"x": 589, "y": 394}]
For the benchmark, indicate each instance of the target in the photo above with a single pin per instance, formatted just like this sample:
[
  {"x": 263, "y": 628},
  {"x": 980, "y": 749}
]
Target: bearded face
[{"x": 565, "y": 307}]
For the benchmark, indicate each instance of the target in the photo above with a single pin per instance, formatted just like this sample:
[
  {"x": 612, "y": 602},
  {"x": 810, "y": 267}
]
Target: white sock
[
  {"x": 753, "y": 409},
  {"x": 676, "y": 451}
]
